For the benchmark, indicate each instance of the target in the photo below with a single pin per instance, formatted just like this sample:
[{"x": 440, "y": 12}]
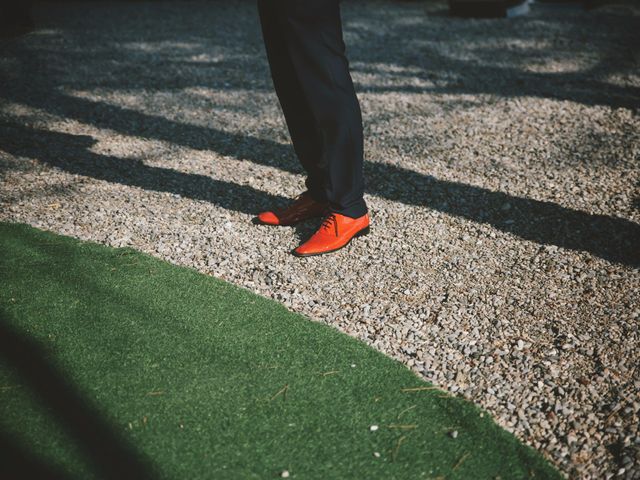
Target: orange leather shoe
[
  {"x": 302, "y": 208},
  {"x": 335, "y": 232}
]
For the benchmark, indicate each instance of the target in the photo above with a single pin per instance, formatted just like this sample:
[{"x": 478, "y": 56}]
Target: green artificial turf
[{"x": 168, "y": 373}]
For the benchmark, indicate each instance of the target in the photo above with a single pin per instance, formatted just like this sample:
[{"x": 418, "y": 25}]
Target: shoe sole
[
  {"x": 365, "y": 231},
  {"x": 257, "y": 221}
]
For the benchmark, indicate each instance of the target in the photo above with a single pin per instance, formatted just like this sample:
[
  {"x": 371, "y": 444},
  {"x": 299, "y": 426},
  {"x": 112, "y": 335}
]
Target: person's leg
[
  {"x": 301, "y": 123},
  {"x": 313, "y": 31}
]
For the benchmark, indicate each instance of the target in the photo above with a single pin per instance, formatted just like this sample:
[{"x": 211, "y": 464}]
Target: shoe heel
[{"x": 365, "y": 231}]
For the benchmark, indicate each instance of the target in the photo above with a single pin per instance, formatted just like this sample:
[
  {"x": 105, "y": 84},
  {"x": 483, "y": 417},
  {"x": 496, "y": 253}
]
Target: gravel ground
[{"x": 502, "y": 179}]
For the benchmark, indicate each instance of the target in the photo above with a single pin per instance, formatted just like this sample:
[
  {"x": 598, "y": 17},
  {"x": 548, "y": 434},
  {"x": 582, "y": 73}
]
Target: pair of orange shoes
[{"x": 335, "y": 232}]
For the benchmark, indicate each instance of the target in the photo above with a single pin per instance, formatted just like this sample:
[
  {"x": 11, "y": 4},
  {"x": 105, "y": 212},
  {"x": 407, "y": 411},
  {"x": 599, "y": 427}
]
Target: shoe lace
[{"x": 329, "y": 220}]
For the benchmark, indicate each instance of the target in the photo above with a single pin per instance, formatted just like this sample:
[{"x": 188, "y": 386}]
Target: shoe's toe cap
[
  {"x": 301, "y": 251},
  {"x": 310, "y": 248},
  {"x": 268, "y": 218}
]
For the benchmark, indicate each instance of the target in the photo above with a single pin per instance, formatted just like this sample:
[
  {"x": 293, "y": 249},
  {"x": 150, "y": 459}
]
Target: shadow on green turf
[
  {"x": 109, "y": 454},
  {"x": 114, "y": 361}
]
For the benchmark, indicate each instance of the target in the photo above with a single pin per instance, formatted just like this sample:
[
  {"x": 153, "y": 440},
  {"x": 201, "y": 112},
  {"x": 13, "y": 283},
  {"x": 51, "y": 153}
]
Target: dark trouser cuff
[{"x": 354, "y": 211}]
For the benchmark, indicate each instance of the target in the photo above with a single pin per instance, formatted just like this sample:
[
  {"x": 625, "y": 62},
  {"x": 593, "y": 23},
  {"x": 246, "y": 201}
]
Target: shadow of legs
[
  {"x": 547, "y": 223},
  {"x": 71, "y": 153}
]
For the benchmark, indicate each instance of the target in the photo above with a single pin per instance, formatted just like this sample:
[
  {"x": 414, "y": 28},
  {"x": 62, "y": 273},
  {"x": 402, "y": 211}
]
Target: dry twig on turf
[
  {"x": 406, "y": 410},
  {"x": 283, "y": 392},
  {"x": 462, "y": 459},
  {"x": 403, "y": 426},
  {"x": 394, "y": 454}
]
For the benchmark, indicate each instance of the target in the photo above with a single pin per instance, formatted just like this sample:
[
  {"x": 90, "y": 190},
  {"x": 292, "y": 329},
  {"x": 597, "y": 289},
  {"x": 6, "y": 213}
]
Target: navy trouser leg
[
  {"x": 304, "y": 132},
  {"x": 310, "y": 72}
]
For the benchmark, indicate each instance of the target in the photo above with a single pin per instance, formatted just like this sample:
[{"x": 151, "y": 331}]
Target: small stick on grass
[
  {"x": 403, "y": 426},
  {"x": 283, "y": 392},
  {"x": 330, "y": 372},
  {"x": 462, "y": 459},
  {"x": 417, "y": 389},
  {"x": 394, "y": 454},
  {"x": 406, "y": 410},
  {"x": 155, "y": 394}
]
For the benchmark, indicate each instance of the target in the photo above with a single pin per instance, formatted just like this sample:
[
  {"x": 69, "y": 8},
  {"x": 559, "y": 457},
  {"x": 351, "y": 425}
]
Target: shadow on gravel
[
  {"x": 549, "y": 55},
  {"x": 611, "y": 238},
  {"x": 470, "y": 77},
  {"x": 110, "y": 454},
  {"x": 72, "y": 154}
]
